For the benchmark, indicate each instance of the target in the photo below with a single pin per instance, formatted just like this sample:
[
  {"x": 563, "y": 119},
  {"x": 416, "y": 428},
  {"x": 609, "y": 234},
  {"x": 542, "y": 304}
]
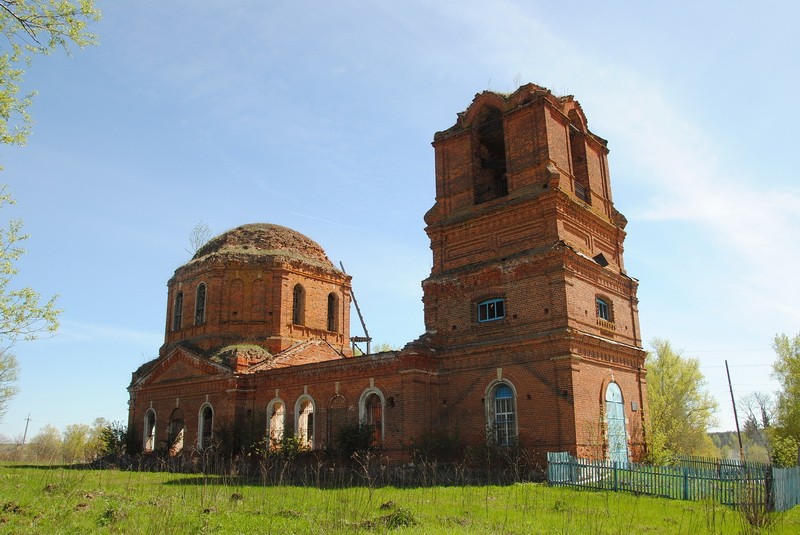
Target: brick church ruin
[{"x": 531, "y": 322}]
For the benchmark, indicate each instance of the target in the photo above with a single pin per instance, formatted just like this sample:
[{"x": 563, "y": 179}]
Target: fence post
[
  {"x": 616, "y": 477},
  {"x": 769, "y": 490},
  {"x": 685, "y": 484}
]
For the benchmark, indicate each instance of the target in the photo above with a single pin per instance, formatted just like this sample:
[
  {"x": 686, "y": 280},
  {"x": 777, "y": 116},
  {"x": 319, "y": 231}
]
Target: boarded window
[{"x": 373, "y": 416}]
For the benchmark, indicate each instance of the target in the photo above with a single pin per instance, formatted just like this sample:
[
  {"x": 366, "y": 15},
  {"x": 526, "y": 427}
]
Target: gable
[
  {"x": 308, "y": 352},
  {"x": 180, "y": 365}
]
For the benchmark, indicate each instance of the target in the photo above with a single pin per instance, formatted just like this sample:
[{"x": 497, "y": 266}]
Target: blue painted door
[{"x": 615, "y": 423}]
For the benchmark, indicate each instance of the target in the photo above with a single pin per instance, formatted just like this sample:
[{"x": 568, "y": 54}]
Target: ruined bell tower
[{"x": 528, "y": 285}]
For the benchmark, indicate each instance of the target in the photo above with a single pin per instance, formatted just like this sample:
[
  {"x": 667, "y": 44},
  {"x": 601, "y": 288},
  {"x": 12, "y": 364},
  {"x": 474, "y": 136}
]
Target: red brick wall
[{"x": 533, "y": 247}]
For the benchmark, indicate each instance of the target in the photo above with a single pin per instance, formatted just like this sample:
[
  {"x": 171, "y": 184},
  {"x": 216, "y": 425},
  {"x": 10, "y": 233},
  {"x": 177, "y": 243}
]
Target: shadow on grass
[{"x": 78, "y": 466}]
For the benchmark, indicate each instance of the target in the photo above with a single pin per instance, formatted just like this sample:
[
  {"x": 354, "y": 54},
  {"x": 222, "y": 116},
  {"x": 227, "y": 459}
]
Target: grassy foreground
[{"x": 47, "y": 499}]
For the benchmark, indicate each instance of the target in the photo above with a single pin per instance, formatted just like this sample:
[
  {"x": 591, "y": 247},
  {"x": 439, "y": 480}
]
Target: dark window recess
[
  {"x": 580, "y": 169},
  {"x": 492, "y": 309},
  {"x": 333, "y": 312},
  {"x": 490, "y": 181},
  {"x": 177, "y": 312},
  {"x": 200, "y": 305},
  {"x": 299, "y": 305}
]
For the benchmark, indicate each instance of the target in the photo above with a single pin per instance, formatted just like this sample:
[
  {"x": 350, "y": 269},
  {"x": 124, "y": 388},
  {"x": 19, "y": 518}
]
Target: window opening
[
  {"x": 206, "y": 427},
  {"x": 175, "y": 433},
  {"x": 177, "y": 311},
  {"x": 333, "y": 312},
  {"x": 200, "y": 305},
  {"x": 580, "y": 167},
  {"x": 277, "y": 414},
  {"x": 372, "y": 412},
  {"x": 504, "y": 415},
  {"x": 490, "y": 179},
  {"x": 491, "y": 309},
  {"x": 305, "y": 423},
  {"x": 298, "y": 305},
  {"x": 150, "y": 430},
  {"x": 603, "y": 309}
]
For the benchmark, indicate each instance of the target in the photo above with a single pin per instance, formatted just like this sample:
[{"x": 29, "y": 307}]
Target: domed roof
[{"x": 265, "y": 240}]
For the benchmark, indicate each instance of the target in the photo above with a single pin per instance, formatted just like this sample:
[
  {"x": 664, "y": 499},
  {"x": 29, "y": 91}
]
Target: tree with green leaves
[
  {"x": 23, "y": 312},
  {"x": 46, "y": 445},
  {"x": 8, "y": 380},
  {"x": 786, "y": 370},
  {"x": 35, "y": 27},
  {"x": 681, "y": 410},
  {"x": 30, "y": 27}
]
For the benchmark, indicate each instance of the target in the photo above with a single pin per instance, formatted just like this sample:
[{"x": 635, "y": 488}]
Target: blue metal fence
[{"x": 726, "y": 482}]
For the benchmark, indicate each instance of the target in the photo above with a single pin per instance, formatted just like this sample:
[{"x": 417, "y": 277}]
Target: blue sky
[{"x": 319, "y": 116}]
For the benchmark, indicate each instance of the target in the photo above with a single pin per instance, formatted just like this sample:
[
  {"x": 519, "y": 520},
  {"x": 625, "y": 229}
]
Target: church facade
[{"x": 532, "y": 334}]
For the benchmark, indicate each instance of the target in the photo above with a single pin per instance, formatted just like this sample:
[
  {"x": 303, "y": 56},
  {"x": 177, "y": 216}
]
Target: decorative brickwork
[{"x": 529, "y": 313}]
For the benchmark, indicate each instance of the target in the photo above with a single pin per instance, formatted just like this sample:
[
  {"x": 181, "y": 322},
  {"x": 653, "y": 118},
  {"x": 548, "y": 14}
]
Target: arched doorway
[{"x": 615, "y": 424}]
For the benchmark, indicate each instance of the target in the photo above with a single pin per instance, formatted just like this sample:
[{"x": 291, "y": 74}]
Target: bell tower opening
[{"x": 489, "y": 178}]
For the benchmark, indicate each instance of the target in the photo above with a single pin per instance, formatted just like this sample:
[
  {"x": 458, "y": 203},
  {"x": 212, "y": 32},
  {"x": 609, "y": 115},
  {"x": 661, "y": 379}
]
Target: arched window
[
  {"x": 200, "y": 304},
  {"x": 298, "y": 305},
  {"x": 304, "y": 421},
  {"x": 333, "y": 312},
  {"x": 150, "y": 430},
  {"x": 580, "y": 169},
  {"x": 276, "y": 418},
  {"x": 501, "y": 413},
  {"x": 615, "y": 424},
  {"x": 175, "y": 433},
  {"x": 177, "y": 311},
  {"x": 604, "y": 309},
  {"x": 489, "y": 180},
  {"x": 370, "y": 411},
  {"x": 338, "y": 417},
  {"x": 205, "y": 427}
]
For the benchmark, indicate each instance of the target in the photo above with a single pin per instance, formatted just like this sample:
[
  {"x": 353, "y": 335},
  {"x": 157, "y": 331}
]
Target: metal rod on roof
[{"x": 358, "y": 310}]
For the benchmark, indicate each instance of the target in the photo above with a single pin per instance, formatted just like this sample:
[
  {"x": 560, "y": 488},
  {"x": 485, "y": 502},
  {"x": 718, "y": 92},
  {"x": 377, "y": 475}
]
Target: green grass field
[{"x": 45, "y": 499}]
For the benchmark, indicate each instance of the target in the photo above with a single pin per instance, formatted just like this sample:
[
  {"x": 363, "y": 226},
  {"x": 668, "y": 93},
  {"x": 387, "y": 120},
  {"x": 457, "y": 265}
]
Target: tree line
[
  {"x": 77, "y": 443},
  {"x": 682, "y": 411}
]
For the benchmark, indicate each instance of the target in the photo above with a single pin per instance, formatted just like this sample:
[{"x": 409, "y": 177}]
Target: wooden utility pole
[
  {"x": 735, "y": 415},
  {"x": 25, "y": 434}
]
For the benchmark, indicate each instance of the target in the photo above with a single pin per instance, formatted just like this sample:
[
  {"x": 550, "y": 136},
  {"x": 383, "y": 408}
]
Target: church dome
[{"x": 262, "y": 241}]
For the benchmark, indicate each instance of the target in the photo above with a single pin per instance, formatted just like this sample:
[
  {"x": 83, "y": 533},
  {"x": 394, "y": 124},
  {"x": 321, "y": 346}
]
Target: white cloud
[{"x": 77, "y": 331}]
